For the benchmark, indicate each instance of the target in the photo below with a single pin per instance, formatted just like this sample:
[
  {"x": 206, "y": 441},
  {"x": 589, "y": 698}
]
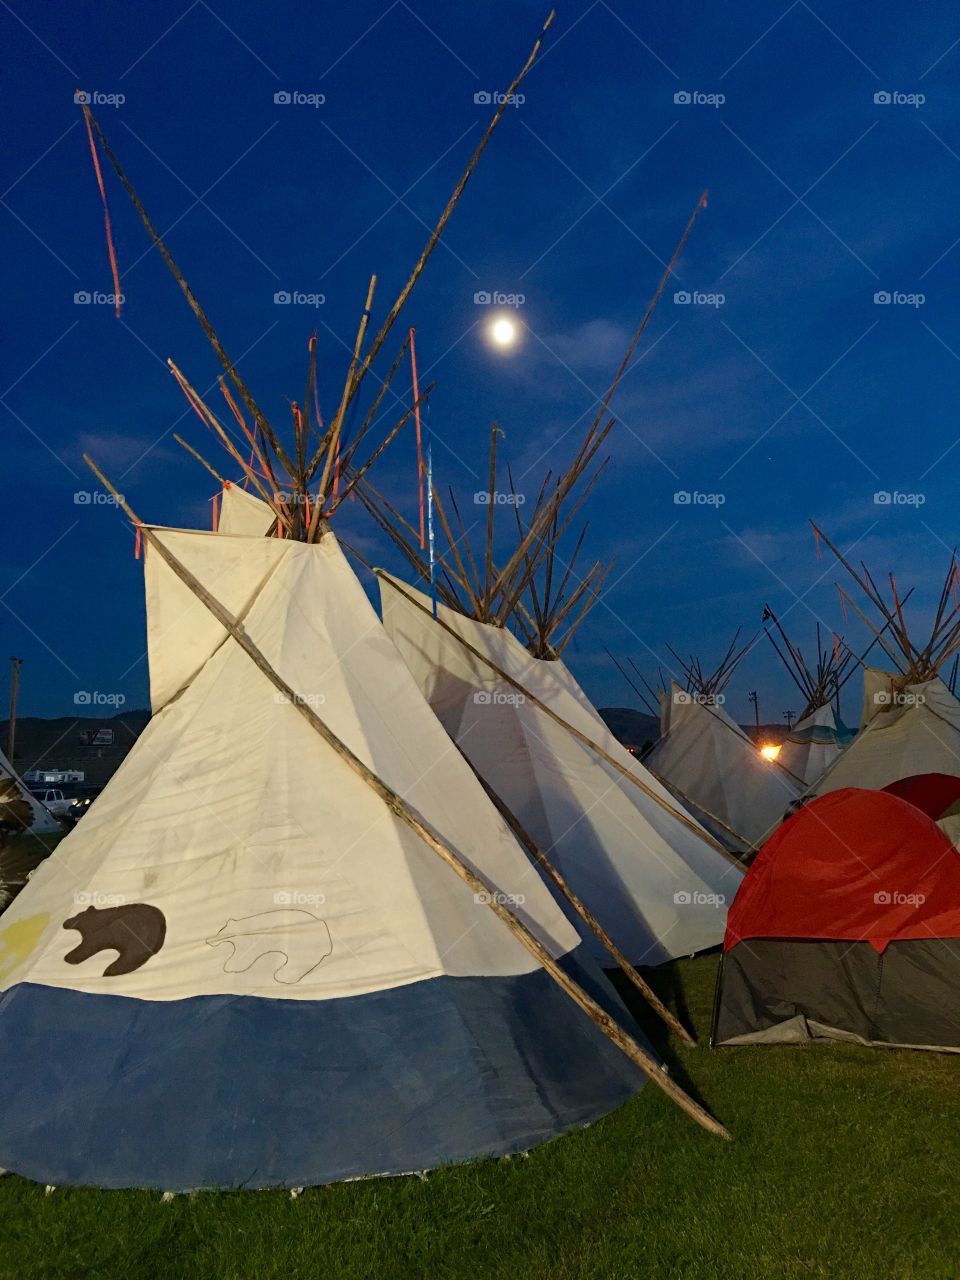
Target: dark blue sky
[{"x": 798, "y": 396}]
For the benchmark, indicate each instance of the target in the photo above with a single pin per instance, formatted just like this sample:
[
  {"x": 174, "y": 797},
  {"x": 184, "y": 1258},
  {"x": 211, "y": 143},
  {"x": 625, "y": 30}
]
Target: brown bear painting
[{"x": 135, "y": 931}]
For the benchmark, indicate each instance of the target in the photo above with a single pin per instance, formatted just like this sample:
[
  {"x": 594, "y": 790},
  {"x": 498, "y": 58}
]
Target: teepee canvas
[
  {"x": 244, "y": 513},
  {"x": 714, "y": 767},
  {"x": 242, "y": 968},
  {"x": 910, "y": 723},
  {"x": 813, "y": 744},
  {"x": 21, "y": 813},
  {"x": 905, "y": 730},
  {"x": 658, "y": 885}
]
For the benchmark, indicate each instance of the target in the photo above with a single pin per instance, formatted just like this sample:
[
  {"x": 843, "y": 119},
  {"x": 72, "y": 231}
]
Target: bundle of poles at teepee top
[
  {"x": 534, "y": 589},
  {"x": 821, "y": 684},
  {"x": 711, "y": 683},
  {"x": 282, "y": 477},
  {"x": 707, "y": 683},
  {"x": 282, "y": 474},
  {"x": 915, "y": 663}
]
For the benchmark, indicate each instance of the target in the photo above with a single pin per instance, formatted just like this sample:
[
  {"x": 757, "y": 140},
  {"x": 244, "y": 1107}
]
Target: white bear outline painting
[{"x": 298, "y": 941}]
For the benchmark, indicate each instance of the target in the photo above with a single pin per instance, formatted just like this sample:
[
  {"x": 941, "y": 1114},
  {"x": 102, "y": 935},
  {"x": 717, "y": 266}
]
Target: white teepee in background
[
  {"x": 21, "y": 813},
  {"x": 715, "y": 768},
  {"x": 904, "y": 730},
  {"x": 657, "y": 885}
]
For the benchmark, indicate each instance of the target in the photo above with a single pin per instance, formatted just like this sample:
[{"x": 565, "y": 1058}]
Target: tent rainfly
[
  {"x": 846, "y": 927},
  {"x": 910, "y": 722},
  {"x": 707, "y": 760},
  {"x": 293, "y": 941},
  {"x": 819, "y": 735}
]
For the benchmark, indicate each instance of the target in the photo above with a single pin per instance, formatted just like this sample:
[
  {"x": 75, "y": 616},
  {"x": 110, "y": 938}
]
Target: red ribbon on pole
[{"x": 106, "y": 209}]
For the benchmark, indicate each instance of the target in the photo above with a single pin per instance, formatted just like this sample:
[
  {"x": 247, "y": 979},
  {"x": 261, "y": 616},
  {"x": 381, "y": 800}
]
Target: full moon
[{"x": 503, "y": 332}]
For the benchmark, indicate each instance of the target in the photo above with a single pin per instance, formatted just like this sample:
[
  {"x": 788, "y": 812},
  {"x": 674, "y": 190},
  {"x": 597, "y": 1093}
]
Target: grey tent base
[{"x": 789, "y": 991}]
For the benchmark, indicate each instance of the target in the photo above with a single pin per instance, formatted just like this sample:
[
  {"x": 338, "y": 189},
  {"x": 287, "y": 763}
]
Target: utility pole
[
  {"x": 752, "y": 697},
  {"x": 15, "y": 665},
  {"x": 788, "y": 716}
]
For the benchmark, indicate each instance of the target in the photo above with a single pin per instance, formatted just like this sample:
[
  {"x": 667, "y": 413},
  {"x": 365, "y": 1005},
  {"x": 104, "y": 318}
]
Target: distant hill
[{"x": 56, "y": 743}]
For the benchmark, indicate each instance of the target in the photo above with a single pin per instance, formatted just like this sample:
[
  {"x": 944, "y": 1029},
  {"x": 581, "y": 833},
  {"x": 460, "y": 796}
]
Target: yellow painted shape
[{"x": 18, "y": 940}]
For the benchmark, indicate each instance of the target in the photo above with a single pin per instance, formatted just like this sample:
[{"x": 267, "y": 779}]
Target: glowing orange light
[{"x": 770, "y": 750}]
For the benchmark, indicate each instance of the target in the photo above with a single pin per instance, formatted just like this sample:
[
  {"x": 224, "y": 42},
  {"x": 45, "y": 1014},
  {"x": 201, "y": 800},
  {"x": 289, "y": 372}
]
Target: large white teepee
[
  {"x": 20, "y": 811},
  {"x": 657, "y": 886},
  {"x": 715, "y": 767},
  {"x": 813, "y": 744},
  {"x": 903, "y": 731},
  {"x": 242, "y": 968}
]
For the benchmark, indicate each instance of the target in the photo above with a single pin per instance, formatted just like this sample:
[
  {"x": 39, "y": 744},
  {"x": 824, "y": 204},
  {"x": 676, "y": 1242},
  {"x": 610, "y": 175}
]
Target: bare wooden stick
[
  {"x": 337, "y": 425},
  {"x": 203, "y": 462},
  {"x": 195, "y": 307},
  {"x": 595, "y": 747},
  {"x": 582, "y": 910},
  {"x": 458, "y": 190},
  {"x": 406, "y": 814}
]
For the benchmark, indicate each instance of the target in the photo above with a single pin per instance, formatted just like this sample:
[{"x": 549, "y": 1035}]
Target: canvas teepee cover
[
  {"x": 20, "y": 811},
  {"x": 242, "y": 969},
  {"x": 716, "y": 768},
  {"x": 814, "y": 743},
  {"x": 903, "y": 731},
  {"x": 658, "y": 888}
]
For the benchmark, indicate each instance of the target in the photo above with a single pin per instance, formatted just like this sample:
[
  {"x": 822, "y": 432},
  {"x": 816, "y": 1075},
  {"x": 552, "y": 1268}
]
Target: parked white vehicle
[{"x": 54, "y": 801}]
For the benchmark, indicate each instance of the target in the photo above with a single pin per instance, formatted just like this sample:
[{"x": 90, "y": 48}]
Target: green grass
[{"x": 843, "y": 1165}]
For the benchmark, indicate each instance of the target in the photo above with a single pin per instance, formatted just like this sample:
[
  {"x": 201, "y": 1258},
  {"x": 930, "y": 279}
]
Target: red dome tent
[
  {"x": 847, "y": 926},
  {"x": 934, "y": 793}
]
